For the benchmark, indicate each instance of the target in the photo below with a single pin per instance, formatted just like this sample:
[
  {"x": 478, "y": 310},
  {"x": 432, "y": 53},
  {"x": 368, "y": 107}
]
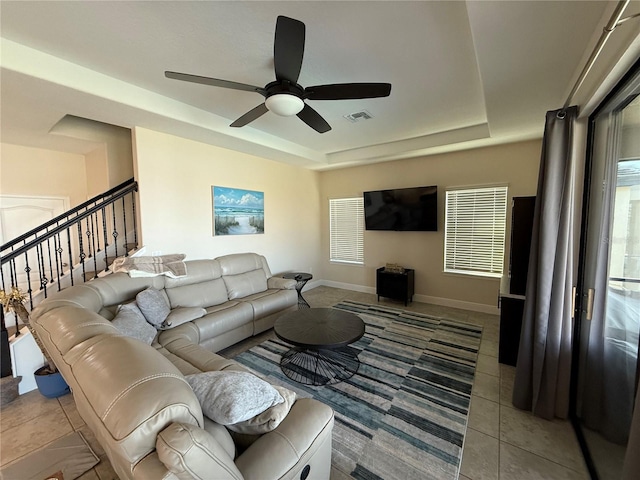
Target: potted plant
[{"x": 50, "y": 382}]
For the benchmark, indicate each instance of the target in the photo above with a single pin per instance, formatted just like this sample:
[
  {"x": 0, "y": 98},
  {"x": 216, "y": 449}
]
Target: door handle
[{"x": 590, "y": 294}]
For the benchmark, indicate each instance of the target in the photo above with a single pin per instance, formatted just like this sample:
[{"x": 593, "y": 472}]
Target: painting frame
[{"x": 237, "y": 211}]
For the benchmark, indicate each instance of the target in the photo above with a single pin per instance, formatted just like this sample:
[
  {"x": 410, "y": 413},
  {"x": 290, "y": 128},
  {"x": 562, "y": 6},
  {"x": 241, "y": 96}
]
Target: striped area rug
[{"x": 404, "y": 414}]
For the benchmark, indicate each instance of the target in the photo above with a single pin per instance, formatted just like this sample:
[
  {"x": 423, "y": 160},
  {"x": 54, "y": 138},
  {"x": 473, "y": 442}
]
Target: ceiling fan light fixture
[{"x": 284, "y": 104}]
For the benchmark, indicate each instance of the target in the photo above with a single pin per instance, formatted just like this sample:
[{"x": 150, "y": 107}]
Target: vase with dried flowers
[{"x": 50, "y": 382}]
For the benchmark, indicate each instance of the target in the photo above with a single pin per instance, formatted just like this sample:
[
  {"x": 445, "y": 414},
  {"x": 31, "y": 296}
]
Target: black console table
[{"x": 398, "y": 286}]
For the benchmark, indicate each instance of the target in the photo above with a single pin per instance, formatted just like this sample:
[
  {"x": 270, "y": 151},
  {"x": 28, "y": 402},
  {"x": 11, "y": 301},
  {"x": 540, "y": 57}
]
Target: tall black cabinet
[{"x": 512, "y": 301}]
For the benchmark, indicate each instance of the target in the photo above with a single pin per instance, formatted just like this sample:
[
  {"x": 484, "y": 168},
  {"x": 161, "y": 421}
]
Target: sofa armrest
[
  {"x": 281, "y": 283},
  {"x": 309, "y": 422},
  {"x": 199, "y": 357},
  {"x": 189, "y": 452}
]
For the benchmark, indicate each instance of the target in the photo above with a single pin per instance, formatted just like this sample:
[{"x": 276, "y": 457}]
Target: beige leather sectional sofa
[{"x": 134, "y": 396}]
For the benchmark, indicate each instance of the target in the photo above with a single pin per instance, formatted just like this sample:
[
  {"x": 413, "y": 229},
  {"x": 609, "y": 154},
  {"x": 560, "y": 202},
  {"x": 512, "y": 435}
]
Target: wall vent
[{"x": 358, "y": 116}]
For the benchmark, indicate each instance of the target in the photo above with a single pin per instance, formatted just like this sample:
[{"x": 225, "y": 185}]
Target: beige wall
[
  {"x": 97, "y": 171},
  {"x": 120, "y": 156},
  {"x": 175, "y": 176},
  {"x": 40, "y": 172},
  {"x": 110, "y": 162},
  {"x": 514, "y": 164}
]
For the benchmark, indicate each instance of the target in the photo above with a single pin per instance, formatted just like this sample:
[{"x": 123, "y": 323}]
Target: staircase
[{"x": 75, "y": 247}]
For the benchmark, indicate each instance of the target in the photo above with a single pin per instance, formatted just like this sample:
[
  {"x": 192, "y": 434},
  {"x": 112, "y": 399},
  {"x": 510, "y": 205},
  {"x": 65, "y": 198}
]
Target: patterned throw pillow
[
  {"x": 154, "y": 306},
  {"x": 130, "y": 322},
  {"x": 232, "y": 397}
]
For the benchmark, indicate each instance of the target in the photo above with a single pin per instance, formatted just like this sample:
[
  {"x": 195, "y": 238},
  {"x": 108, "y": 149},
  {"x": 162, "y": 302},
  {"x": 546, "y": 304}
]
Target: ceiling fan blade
[
  {"x": 215, "y": 82},
  {"x": 347, "y": 91},
  {"x": 288, "y": 48},
  {"x": 312, "y": 118},
  {"x": 251, "y": 115}
]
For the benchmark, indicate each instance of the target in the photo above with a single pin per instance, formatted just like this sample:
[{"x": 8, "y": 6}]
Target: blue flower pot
[{"x": 51, "y": 385}]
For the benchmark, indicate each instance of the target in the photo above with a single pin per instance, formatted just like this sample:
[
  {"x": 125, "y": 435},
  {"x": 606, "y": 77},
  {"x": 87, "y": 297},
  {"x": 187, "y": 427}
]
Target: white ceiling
[{"x": 464, "y": 74}]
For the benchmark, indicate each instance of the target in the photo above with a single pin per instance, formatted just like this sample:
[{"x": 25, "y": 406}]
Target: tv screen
[{"x": 402, "y": 209}]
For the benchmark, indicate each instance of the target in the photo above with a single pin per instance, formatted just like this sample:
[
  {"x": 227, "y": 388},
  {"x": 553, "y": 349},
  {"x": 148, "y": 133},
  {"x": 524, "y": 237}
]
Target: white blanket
[{"x": 170, "y": 265}]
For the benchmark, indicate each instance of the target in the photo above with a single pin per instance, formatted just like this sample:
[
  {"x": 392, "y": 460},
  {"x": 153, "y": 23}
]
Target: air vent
[{"x": 358, "y": 116}]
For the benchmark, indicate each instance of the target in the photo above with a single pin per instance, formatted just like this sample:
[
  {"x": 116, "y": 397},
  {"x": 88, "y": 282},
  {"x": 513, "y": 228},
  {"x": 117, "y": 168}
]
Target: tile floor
[{"x": 501, "y": 442}]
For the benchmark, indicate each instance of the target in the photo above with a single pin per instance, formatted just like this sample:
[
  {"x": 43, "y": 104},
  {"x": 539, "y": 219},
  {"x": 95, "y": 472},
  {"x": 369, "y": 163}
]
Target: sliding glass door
[{"x": 609, "y": 320}]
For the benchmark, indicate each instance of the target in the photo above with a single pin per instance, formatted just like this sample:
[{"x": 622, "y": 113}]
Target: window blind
[
  {"x": 346, "y": 230},
  {"x": 475, "y": 224}
]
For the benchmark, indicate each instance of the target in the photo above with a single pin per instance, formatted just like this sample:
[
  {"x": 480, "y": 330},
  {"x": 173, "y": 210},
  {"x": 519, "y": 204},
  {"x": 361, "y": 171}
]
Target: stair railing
[{"x": 73, "y": 247}]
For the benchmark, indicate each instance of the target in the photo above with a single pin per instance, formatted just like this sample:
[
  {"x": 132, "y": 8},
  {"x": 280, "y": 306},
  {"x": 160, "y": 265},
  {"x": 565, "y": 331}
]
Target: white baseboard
[
  {"x": 461, "y": 304},
  {"x": 347, "y": 286},
  {"x": 445, "y": 302}
]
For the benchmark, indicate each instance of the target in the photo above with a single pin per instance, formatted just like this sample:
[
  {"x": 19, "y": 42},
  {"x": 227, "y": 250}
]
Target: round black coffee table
[{"x": 321, "y": 354}]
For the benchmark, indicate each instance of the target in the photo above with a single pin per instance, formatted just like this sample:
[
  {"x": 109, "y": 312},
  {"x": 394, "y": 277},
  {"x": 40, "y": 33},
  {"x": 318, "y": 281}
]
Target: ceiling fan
[{"x": 284, "y": 96}]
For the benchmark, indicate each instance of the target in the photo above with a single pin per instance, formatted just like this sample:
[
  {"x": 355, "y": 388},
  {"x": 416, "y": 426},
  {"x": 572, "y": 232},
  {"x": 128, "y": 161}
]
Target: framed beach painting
[{"x": 237, "y": 211}]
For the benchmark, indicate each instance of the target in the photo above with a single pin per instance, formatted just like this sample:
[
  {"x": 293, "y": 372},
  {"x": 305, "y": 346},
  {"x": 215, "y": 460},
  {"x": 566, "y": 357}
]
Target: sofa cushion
[
  {"x": 203, "y": 294},
  {"x": 232, "y": 397},
  {"x": 236, "y": 263},
  {"x": 154, "y": 306},
  {"x": 224, "y": 318},
  {"x": 181, "y": 315},
  {"x": 245, "y": 284},
  {"x": 192, "y": 453},
  {"x": 270, "y": 418},
  {"x": 131, "y": 322},
  {"x": 271, "y": 301}
]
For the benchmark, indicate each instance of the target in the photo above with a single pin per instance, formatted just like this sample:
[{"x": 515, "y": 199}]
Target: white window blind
[
  {"x": 474, "y": 235},
  {"x": 346, "y": 229}
]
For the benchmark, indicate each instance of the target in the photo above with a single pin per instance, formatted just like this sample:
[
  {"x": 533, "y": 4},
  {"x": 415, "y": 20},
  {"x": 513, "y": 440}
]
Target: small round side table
[{"x": 301, "y": 279}]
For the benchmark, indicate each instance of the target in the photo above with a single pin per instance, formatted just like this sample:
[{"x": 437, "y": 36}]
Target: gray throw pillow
[
  {"x": 154, "y": 306},
  {"x": 130, "y": 321},
  {"x": 232, "y": 397}
]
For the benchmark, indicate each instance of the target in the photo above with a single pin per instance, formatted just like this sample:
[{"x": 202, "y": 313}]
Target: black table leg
[{"x": 320, "y": 367}]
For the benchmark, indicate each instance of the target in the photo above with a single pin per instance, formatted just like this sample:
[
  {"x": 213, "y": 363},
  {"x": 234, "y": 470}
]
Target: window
[
  {"x": 346, "y": 230},
  {"x": 474, "y": 235}
]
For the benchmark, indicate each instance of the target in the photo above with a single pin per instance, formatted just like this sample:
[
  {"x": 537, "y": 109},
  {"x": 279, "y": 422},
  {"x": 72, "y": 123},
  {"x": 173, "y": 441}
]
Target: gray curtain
[{"x": 544, "y": 358}]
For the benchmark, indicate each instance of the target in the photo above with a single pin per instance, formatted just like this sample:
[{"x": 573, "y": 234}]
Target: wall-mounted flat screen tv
[{"x": 402, "y": 209}]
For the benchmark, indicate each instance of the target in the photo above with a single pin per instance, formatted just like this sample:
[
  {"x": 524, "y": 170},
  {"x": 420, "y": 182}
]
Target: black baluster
[
  {"x": 95, "y": 254},
  {"x": 58, "y": 257},
  {"x": 82, "y": 255},
  {"x": 2, "y": 278},
  {"x": 12, "y": 272},
  {"x": 27, "y": 269},
  {"x": 50, "y": 262},
  {"x": 135, "y": 219},
  {"x": 124, "y": 225},
  {"x": 115, "y": 228},
  {"x": 106, "y": 242},
  {"x": 42, "y": 269},
  {"x": 88, "y": 233},
  {"x": 70, "y": 255}
]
